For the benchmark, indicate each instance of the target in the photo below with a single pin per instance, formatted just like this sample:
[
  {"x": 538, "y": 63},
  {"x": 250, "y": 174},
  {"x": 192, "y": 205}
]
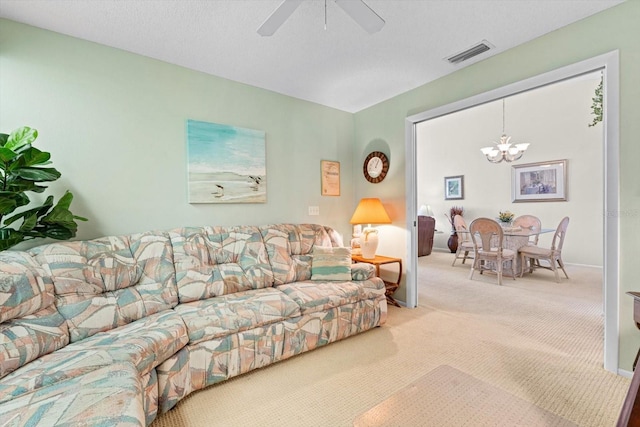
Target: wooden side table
[{"x": 378, "y": 261}]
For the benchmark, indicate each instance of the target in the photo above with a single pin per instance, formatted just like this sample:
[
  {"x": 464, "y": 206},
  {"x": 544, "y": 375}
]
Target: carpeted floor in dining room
[{"x": 531, "y": 338}]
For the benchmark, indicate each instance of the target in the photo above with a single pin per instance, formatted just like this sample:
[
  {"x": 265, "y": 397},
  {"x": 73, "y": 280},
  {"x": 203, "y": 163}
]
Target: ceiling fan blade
[
  {"x": 362, "y": 14},
  {"x": 277, "y": 18}
]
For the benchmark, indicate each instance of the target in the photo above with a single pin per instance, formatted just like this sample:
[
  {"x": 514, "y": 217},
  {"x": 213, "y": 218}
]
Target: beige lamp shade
[{"x": 370, "y": 211}]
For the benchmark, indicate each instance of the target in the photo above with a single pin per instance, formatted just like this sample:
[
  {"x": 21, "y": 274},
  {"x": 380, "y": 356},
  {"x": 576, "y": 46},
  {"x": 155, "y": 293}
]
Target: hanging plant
[
  {"x": 596, "y": 107},
  {"x": 22, "y": 171}
]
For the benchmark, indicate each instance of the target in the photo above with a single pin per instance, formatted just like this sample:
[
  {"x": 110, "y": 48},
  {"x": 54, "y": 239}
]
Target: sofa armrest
[{"x": 362, "y": 271}]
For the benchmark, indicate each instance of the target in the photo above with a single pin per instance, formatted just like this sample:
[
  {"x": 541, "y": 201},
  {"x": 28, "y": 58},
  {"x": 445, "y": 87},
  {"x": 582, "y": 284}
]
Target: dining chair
[
  {"x": 552, "y": 255},
  {"x": 530, "y": 222},
  {"x": 483, "y": 231},
  {"x": 465, "y": 245}
]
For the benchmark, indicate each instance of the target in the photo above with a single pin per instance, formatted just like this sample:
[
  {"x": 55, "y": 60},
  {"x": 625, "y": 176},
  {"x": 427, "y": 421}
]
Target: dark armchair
[{"x": 426, "y": 229}]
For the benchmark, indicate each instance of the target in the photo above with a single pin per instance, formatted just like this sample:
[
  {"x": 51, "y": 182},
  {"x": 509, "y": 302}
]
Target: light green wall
[
  {"x": 114, "y": 123},
  {"x": 615, "y": 28}
]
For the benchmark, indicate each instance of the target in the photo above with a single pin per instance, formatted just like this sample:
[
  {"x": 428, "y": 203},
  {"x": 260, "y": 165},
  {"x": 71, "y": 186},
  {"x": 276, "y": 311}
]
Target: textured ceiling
[{"x": 342, "y": 67}]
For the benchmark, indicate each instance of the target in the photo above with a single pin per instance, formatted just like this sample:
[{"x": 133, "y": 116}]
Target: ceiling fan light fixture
[
  {"x": 358, "y": 10},
  {"x": 277, "y": 18},
  {"x": 364, "y": 16}
]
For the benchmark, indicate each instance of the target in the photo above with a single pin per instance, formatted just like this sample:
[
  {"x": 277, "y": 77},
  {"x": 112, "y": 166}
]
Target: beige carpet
[
  {"x": 447, "y": 396},
  {"x": 537, "y": 340}
]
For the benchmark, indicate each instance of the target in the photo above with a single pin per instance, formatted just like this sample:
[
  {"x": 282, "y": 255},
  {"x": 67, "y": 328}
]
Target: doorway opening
[{"x": 608, "y": 65}]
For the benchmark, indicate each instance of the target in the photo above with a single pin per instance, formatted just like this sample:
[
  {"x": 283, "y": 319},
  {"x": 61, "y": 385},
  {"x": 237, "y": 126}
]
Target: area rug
[{"x": 448, "y": 397}]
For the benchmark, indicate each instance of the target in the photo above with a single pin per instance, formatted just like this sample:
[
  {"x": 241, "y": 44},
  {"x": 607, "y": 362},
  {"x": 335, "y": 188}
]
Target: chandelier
[{"x": 504, "y": 150}]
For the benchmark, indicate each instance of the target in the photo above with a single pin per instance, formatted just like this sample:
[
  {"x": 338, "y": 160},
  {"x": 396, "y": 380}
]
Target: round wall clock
[{"x": 376, "y": 166}]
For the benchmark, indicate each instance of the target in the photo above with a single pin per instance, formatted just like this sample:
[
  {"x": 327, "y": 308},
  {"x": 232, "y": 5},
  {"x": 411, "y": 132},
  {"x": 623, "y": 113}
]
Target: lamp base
[{"x": 369, "y": 242}]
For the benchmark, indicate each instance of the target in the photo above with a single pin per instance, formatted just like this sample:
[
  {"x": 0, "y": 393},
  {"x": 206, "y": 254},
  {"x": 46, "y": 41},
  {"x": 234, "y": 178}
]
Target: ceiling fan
[{"x": 358, "y": 10}]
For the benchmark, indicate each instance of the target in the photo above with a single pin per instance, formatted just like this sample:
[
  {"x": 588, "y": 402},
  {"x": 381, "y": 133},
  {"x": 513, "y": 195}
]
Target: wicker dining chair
[
  {"x": 465, "y": 245},
  {"x": 530, "y": 222},
  {"x": 552, "y": 255},
  {"x": 483, "y": 232}
]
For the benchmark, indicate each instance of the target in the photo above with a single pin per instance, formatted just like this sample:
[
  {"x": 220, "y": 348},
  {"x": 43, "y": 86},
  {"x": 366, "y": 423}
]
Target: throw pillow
[{"x": 331, "y": 263}]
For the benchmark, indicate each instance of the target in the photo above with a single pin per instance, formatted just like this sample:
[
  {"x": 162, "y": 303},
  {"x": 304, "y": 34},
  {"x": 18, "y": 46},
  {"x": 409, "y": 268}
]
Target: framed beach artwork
[
  {"x": 330, "y": 178},
  {"x": 454, "y": 187},
  {"x": 539, "y": 182},
  {"x": 225, "y": 164}
]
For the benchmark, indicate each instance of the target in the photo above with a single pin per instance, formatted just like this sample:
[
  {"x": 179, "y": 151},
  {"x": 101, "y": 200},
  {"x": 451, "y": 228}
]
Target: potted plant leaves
[{"x": 23, "y": 169}]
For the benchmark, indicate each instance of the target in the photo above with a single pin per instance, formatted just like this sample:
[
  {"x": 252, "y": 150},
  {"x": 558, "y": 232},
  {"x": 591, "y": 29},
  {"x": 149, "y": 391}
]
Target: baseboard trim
[
  {"x": 446, "y": 250},
  {"x": 625, "y": 373},
  {"x": 584, "y": 265}
]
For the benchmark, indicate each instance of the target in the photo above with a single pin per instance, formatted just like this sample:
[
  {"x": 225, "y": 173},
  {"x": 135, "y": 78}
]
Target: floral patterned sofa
[{"x": 110, "y": 331}]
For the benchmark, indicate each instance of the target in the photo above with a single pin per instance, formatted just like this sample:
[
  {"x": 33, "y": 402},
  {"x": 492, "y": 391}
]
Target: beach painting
[{"x": 226, "y": 164}]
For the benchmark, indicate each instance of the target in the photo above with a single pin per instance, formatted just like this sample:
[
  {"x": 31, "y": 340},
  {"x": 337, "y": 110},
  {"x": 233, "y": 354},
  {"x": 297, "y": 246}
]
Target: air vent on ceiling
[{"x": 475, "y": 50}]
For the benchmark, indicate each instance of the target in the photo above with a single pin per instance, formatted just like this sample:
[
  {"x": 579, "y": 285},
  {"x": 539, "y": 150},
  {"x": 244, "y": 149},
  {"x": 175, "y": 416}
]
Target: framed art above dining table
[{"x": 539, "y": 182}]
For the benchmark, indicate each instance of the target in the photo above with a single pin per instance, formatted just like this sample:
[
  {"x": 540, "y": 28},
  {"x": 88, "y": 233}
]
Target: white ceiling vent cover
[{"x": 475, "y": 50}]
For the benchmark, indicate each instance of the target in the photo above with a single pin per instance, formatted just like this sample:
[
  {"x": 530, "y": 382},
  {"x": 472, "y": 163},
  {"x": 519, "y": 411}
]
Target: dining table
[{"x": 516, "y": 237}]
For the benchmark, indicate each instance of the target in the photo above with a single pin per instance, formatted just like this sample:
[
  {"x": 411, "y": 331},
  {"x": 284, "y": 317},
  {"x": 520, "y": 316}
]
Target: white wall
[{"x": 554, "y": 120}]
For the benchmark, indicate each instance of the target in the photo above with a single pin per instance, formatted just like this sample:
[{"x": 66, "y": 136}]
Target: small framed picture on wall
[
  {"x": 330, "y": 178},
  {"x": 454, "y": 187}
]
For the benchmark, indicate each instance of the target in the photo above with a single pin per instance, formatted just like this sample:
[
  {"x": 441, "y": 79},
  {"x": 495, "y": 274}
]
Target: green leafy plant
[
  {"x": 22, "y": 170},
  {"x": 596, "y": 107}
]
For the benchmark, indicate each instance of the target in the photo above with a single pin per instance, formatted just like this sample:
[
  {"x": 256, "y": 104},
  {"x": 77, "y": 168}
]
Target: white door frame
[{"x": 609, "y": 64}]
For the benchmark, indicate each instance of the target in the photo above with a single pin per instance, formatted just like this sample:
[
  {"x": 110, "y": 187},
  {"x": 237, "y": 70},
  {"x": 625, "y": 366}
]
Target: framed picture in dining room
[
  {"x": 454, "y": 187},
  {"x": 539, "y": 182}
]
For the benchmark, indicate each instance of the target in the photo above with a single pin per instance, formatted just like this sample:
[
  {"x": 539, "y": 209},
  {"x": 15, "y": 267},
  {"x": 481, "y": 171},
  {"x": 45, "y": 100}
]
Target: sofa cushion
[
  {"x": 331, "y": 264},
  {"x": 315, "y": 296},
  {"x": 362, "y": 271},
  {"x": 289, "y": 247},
  {"x": 105, "y": 283},
  {"x": 50, "y": 369},
  {"x": 30, "y": 326},
  {"x": 214, "y": 261},
  {"x": 145, "y": 343},
  {"x": 215, "y": 317},
  {"x": 24, "y": 340},
  {"x": 22, "y": 289},
  {"x": 111, "y": 395}
]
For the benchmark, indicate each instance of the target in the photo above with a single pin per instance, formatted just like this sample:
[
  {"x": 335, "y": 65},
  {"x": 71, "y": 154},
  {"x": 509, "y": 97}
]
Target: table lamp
[{"x": 370, "y": 211}]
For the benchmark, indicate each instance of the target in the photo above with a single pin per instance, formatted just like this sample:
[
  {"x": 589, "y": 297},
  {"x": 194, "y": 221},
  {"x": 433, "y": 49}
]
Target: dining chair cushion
[
  {"x": 506, "y": 253},
  {"x": 535, "y": 250}
]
